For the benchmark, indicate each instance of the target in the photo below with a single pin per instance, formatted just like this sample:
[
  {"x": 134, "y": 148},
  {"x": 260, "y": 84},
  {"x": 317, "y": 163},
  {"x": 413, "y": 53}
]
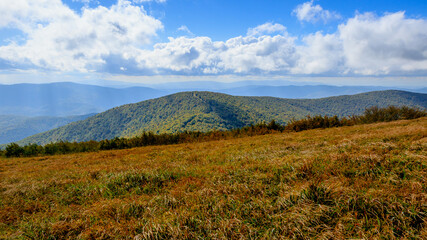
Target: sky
[{"x": 353, "y": 42}]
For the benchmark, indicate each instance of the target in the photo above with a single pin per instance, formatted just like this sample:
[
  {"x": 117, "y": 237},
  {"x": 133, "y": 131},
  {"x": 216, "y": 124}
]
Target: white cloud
[
  {"x": 266, "y": 28},
  {"x": 314, "y": 13},
  {"x": 143, "y": 1},
  {"x": 201, "y": 55},
  {"x": 67, "y": 41},
  {"x": 364, "y": 45},
  {"x": 383, "y": 45},
  {"x": 367, "y": 45},
  {"x": 84, "y": 1},
  {"x": 320, "y": 54},
  {"x": 26, "y": 14},
  {"x": 116, "y": 40},
  {"x": 185, "y": 29}
]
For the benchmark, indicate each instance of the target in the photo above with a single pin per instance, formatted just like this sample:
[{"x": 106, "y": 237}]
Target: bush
[
  {"x": 14, "y": 150},
  {"x": 392, "y": 113}
]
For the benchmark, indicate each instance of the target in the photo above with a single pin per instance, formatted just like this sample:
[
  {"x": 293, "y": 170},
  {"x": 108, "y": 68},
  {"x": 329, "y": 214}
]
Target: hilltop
[
  {"x": 364, "y": 181},
  {"x": 205, "y": 111}
]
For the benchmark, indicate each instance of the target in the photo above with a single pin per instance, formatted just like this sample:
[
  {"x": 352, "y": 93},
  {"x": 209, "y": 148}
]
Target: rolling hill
[{"x": 204, "y": 111}]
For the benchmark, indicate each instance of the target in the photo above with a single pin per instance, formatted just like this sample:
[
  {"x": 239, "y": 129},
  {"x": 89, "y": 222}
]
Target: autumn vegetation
[{"x": 339, "y": 181}]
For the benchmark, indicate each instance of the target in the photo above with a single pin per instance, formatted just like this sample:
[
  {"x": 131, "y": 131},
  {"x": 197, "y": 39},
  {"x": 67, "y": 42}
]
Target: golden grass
[{"x": 365, "y": 181}]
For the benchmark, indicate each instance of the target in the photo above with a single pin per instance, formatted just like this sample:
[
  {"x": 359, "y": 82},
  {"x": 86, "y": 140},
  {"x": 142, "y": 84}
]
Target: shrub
[{"x": 14, "y": 150}]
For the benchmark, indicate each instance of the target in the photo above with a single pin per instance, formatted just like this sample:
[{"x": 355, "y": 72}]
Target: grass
[{"x": 358, "y": 182}]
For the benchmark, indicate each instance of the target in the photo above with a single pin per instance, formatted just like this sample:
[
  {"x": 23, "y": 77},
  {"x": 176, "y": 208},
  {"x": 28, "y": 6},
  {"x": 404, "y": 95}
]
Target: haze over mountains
[
  {"x": 204, "y": 111},
  {"x": 66, "y": 99},
  {"x": 15, "y": 128}
]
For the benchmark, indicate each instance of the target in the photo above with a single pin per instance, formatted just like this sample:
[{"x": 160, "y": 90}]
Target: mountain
[
  {"x": 66, "y": 99},
  {"x": 218, "y": 86},
  {"x": 204, "y": 111},
  {"x": 69, "y": 99},
  {"x": 292, "y": 91},
  {"x": 15, "y": 128},
  {"x": 274, "y": 88}
]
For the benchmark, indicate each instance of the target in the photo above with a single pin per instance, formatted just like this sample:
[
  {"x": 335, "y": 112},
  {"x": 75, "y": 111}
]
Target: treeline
[{"x": 371, "y": 115}]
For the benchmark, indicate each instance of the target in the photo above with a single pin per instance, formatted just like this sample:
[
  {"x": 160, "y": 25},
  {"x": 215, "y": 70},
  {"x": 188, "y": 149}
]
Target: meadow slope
[{"x": 365, "y": 181}]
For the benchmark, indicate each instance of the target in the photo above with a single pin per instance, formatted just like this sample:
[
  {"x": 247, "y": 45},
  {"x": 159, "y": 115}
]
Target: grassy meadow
[{"x": 356, "y": 182}]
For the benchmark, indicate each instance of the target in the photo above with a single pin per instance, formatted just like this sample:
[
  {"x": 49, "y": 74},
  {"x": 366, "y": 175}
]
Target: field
[{"x": 365, "y": 181}]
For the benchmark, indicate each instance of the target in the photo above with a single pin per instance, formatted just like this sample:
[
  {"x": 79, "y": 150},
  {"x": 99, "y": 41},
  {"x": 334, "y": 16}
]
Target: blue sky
[{"x": 337, "y": 42}]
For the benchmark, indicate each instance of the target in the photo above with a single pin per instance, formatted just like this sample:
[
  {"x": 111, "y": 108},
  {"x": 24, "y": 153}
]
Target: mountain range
[
  {"x": 67, "y": 99},
  {"x": 204, "y": 111},
  {"x": 70, "y": 99}
]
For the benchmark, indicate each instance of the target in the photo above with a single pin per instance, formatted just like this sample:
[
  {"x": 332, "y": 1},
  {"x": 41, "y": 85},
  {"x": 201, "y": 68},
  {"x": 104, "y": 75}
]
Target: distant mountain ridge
[
  {"x": 300, "y": 92},
  {"x": 66, "y": 99},
  {"x": 204, "y": 111},
  {"x": 15, "y": 128}
]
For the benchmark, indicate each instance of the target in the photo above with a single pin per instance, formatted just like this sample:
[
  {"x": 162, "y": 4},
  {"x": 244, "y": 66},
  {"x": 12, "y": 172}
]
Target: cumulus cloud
[
  {"x": 382, "y": 45},
  {"x": 64, "y": 40},
  {"x": 201, "y": 55},
  {"x": 367, "y": 45},
  {"x": 364, "y": 45},
  {"x": 117, "y": 40},
  {"x": 26, "y": 15},
  {"x": 308, "y": 12},
  {"x": 320, "y": 54}
]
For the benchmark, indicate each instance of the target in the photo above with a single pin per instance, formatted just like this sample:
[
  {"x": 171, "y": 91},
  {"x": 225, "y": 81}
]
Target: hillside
[
  {"x": 15, "y": 128},
  {"x": 204, "y": 111},
  {"x": 359, "y": 182},
  {"x": 67, "y": 99}
]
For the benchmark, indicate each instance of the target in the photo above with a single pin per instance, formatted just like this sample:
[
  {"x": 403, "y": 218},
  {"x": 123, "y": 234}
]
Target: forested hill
[{"x": 204, "y": 111}]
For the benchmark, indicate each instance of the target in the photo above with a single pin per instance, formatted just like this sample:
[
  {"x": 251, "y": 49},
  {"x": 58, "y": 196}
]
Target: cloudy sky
[{"x": 377, "y": 42}]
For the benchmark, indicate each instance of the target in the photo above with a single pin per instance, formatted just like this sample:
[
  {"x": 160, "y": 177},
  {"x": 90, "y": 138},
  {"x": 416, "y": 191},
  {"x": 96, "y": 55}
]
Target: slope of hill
[
  {"x": 15, "y": 128},
  {"x": 359, "y": 182},
  {"x": 204, "y": 111},
  {"x": 67, "y": 99}
]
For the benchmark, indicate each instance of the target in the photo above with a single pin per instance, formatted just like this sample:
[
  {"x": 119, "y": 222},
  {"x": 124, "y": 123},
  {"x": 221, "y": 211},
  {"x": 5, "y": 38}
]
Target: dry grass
[{"x": 366, "y": 181}]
